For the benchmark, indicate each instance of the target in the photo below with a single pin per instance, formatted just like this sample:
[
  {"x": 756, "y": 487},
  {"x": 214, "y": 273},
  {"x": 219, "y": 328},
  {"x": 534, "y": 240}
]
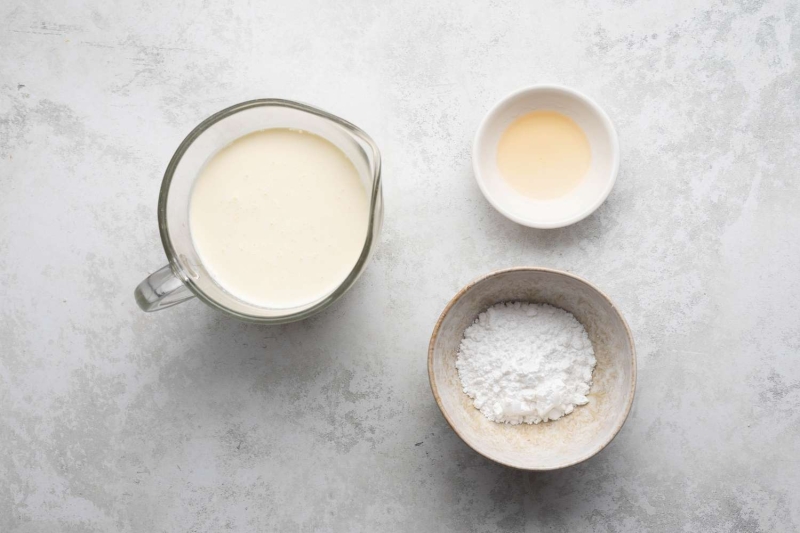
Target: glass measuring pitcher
[{"x": 185, "y": 276}]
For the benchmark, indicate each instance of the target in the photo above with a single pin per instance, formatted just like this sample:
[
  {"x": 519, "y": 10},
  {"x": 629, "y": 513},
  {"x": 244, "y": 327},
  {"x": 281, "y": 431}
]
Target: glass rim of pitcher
[{"x": 375, "y": 194}]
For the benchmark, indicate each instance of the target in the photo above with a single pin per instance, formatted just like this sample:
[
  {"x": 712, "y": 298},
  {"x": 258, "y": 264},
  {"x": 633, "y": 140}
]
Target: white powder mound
[{"x": 525, "y": 362}]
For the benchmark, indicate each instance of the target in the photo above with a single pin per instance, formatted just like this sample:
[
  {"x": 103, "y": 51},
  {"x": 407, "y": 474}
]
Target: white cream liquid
[{"x": 279, "y": 217}]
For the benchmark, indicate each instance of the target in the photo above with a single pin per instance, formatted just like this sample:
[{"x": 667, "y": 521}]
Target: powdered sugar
[{"x": 525, "y": 362}]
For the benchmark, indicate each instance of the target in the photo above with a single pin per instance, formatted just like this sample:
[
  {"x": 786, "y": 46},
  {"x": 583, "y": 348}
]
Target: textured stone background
[{"x": 186, "y": 420}]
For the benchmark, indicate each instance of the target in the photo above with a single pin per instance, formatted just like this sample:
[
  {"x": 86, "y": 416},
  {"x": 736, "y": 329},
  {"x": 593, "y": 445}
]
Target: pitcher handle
[{"x": 160, "y": 290}]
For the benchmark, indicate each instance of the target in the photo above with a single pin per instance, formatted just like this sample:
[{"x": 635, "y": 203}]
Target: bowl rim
[
  {"x": 478, "y": 141},
  {"x": 495, "y": 273}
]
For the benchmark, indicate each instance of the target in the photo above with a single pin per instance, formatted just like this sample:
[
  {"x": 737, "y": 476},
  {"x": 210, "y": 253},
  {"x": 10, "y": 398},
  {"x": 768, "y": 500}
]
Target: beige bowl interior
[{"x": 548, "y": 445}]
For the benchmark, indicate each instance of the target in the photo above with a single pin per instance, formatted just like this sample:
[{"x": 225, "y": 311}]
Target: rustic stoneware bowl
[{"x": 549, "y": 445}]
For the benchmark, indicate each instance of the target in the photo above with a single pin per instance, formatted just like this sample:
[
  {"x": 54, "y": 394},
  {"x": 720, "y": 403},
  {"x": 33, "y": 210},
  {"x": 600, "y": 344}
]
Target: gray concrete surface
[{"x": 186, "y": 420}]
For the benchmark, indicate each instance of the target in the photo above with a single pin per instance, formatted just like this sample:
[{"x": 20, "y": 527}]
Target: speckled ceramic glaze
[{"x": 551, "y": 445}]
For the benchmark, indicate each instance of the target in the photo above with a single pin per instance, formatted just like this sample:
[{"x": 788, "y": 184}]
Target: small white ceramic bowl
[
  {"x": 584, "y": 199},
  {"x": 548, "y": 445}
]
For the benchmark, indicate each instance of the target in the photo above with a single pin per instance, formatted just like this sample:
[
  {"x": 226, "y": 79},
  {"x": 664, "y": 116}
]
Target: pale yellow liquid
[
  {"x": 279, "y": 217},
  {"x": 543, "y": 155}
]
